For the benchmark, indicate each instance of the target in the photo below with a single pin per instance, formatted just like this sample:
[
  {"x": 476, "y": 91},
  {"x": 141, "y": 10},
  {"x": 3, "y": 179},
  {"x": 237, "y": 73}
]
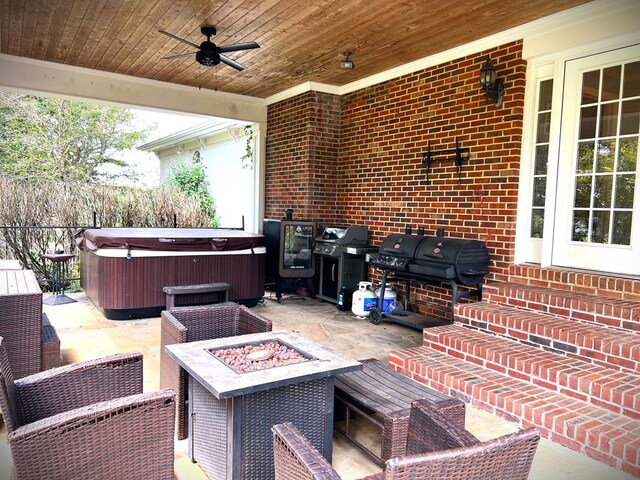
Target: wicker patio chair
[
  {"x": 87, "y": 420},
  {"x": 437, "y": 448},
  {"x": 191, "y": 324}
]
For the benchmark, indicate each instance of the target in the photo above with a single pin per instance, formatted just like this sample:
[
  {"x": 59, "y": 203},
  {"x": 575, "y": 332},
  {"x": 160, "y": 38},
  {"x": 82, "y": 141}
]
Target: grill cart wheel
[{"x": 375, "y": 315}]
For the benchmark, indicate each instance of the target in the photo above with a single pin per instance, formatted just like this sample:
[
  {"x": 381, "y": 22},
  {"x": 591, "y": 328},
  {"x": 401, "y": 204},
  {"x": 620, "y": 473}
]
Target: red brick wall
[
  {"x": 383, "y": 131},
  {"x": 302, "y": 155},
  {"x": 386, "y": 128}
]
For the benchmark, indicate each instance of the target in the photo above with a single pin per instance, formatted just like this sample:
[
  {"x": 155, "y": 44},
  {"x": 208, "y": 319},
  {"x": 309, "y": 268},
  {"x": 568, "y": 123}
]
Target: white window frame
[{"x": 529, "y": 249}]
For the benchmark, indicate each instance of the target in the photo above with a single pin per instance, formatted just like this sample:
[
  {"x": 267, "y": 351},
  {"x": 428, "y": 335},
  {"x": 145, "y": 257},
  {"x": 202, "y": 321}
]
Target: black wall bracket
[{"x": 459, "y": 154}]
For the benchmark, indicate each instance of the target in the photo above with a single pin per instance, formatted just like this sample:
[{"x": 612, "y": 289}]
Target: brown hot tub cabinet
[{"x": 123, "y": 270}]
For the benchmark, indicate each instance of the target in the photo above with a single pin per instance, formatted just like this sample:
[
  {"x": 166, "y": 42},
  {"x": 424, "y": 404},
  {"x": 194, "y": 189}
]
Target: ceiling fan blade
[
  {"x": 181, "y": 55},
  {"x": 179, "y": 39},
  {"x": 232, "y": 63},
  {"x": 238, "y": 46}
]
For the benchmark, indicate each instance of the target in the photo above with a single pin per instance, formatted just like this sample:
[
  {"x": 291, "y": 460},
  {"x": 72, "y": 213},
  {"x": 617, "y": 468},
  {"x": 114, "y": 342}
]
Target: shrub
[{"x": 190, "y": 177}]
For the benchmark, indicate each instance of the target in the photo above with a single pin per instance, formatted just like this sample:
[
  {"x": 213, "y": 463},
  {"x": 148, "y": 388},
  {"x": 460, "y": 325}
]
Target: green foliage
[
  {"x": 63, "y": 139},
  {"x": 190, "y": 177},
  {"x": 247, "y": 158}
]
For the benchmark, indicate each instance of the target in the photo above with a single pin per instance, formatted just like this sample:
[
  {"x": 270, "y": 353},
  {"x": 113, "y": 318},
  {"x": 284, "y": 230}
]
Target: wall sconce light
[
  {"x": 493, "y": 87},
  {"x": 346, "y": 64}
]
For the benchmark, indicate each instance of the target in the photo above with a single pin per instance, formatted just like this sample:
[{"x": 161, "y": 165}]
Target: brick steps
[
  {"x": 552, "y": 348},
  {"x": 597, "y": 432},
  {"x": 616, "y": 391},
  {"x": 574, "y": 305},
  {"x": 609, "y": 347},
  {"x": 576, "y": 281}
]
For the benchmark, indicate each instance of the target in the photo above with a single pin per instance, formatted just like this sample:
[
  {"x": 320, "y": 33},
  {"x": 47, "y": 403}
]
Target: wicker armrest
[
  {"x": 508, "y": 457},
  {"x": 453, "y": 409},
  {"x": 79, "y": 384},
  {"x": 130, "y": 437},
  {"x": 171, "y": 332},
  {"x": 171, "y": 374},
  {"x": 172, "y": 323},
  {"x": 431, "y": 430},
  {"x": 251, "y": 322},
  {"x": 296, "y": 459}
]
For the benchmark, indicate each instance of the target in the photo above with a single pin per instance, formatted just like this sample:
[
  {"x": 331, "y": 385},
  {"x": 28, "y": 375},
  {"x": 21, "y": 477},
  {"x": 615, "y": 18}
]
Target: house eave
[{"x": 198, "y": 131}]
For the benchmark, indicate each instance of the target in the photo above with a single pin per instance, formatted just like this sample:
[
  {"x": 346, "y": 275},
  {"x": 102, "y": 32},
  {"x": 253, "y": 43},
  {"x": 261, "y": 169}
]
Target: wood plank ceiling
[{"x": 300, "y": 40}]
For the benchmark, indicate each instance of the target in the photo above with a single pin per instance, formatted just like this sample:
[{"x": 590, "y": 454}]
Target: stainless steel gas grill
[
  {"x": 417, "y": 258},
  {"x": 341, "y": 252}
]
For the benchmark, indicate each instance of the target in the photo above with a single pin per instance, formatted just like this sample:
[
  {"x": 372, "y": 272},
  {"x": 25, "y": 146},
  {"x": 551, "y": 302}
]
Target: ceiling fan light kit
[{"x": 209, "y": 54}]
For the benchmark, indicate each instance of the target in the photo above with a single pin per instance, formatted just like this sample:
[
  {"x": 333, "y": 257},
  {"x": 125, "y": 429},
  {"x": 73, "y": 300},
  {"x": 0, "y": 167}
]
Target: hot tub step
[{"x": 173, "y": 291}]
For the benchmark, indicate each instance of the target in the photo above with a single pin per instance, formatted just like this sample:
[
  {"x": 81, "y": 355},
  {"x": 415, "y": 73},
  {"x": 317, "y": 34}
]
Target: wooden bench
[
  {"x": 383, "y": 397},
  {"x": 221, "y": 288}
]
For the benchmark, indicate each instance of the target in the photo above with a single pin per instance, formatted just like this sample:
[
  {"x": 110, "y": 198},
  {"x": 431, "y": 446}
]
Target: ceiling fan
[{"x": 210, "y": 54}]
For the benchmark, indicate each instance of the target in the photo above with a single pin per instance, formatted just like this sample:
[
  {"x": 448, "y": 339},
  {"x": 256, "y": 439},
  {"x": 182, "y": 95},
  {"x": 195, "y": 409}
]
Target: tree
[
  {"x": 190, "y": 177},
  {"x": 63, "y": 139}
]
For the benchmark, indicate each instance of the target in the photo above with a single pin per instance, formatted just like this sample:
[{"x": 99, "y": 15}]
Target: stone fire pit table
[{"x": 231, "y": 413}]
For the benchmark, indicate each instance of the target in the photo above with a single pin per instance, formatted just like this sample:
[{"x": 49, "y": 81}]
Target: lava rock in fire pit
[{"x": 251, "y": 358}]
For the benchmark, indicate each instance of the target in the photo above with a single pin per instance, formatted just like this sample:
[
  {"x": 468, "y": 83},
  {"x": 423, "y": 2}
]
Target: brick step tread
[
  {"x": 611, "y": 347},
  {"x": 594, "y": 431},
  {"x": 580, "y": 306},
  {"x": 594, "y": 283},
  {"x": 605, "y": 387}
]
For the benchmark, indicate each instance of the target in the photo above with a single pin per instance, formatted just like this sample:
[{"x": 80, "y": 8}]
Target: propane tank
[
  {"x": 363, "y": 300},
  {"x": 389, "y": 297}
]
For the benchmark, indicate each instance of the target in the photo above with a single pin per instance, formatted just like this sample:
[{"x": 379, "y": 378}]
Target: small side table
[{"x": 59, "y": 263}]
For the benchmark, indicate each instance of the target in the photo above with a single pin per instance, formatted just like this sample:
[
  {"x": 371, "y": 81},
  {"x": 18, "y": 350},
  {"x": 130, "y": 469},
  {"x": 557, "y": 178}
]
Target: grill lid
[
  {"x": 401, "y": 245},
  {"x": 466, "y": 261},
  {"x": 351, "y": 235}
]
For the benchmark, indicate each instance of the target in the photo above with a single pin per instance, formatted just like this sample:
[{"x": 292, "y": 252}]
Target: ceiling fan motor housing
[{"x": 208, "y": 54}]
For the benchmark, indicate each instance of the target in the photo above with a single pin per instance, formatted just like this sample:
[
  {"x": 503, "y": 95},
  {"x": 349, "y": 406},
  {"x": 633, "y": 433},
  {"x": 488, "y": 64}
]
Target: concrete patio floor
[{"x": 86, "y": 334}]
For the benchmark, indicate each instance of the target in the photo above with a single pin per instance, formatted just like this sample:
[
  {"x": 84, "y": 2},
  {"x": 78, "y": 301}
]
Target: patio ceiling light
[
  {"x": 346, "y": 64},
  {"x": 493, "y": 87}
]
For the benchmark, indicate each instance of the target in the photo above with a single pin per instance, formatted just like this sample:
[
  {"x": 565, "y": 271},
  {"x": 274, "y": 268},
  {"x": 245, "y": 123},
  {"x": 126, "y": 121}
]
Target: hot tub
[{"x": 123, "y": 270}]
